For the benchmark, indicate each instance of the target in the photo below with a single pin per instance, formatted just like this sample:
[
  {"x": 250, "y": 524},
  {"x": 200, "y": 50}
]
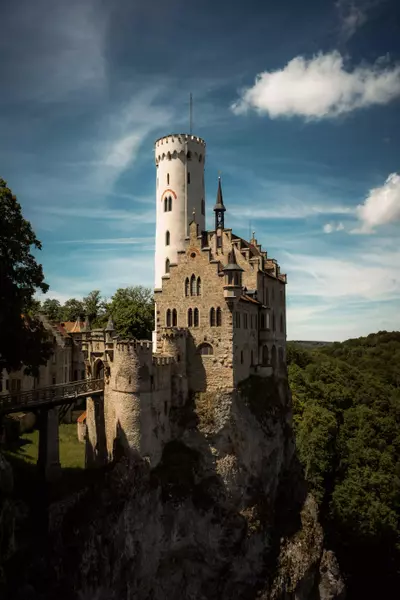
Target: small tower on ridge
[{"x": 219, "y": 208}]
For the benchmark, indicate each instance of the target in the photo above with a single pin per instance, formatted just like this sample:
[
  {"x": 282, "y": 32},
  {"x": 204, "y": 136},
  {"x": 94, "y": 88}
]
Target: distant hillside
[
  {"x": 346, "y": 403},
  {"x": 310, "y": 344}
]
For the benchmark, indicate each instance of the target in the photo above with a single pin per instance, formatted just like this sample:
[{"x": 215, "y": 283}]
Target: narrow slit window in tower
[
  {"x": 167, "y": 178},
  {"x": 174, "y": 318},
  {"x": 190, "y": 317},
  {"x": 196, "y": 317},
  {"x": 165, "y": 204},
  {"x": 167, "y": 238},
  {"x": 203, "y": 207},
  {"x": 212, "y": 317},
  {"x": 198, "y": 286},
  {"x": 219, "y": 317},
  {"x": 187, "y": 286},
  {"x": 169, "y": 203},
  {"x": 188, "y": 177},
  {"x": 167, "y": 263},
  {"x": 168, "y": 319}
]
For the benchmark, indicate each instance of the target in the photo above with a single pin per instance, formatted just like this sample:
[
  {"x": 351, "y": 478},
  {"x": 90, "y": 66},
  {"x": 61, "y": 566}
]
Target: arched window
[
  {"x": 273, "y": 356},
  {"x": 205, "y": 349},
  {"x": 212, "y": 317},
  {"x": 193, "y": 285},
  {"x": 187, "y": 286},
  {"x": 281, "y": 323},
  {"x": 198, "y": 286},
  {"x": 219, "y": 317},
  {"x": 196, "y": 317},
  {"x": 167, "y": 238},
  {"x": 169, "y": 203},
  {"x": 174, "y": 318},
  {"x": 190, "y": 317},
  {"x": 203, "y": 207},
  {"x": 167, "y": 178},
  {"x": 167, "y": 263},
  {"x": 168, "y": 319},
  {"x": 265, "y": 356},
  {"x": 165, "y": 204}
]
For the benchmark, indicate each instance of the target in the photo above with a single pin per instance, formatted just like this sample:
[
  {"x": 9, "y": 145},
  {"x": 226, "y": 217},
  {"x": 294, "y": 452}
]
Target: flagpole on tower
[{"x": 190, "y": 114}]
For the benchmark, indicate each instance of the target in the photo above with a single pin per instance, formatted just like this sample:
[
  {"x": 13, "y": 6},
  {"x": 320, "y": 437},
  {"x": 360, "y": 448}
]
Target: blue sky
[{"x": 299, "y": 103}]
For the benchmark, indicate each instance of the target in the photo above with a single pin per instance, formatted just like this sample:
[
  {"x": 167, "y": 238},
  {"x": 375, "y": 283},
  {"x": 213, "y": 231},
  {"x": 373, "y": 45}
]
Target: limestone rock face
[
  {"x": 7, "y": 516},
  {"x": 224, "y": 515}
]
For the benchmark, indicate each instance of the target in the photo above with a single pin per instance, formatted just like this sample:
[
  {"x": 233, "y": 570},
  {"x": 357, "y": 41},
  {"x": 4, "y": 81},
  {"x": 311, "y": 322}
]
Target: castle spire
[{"x": 219, "y": 207}]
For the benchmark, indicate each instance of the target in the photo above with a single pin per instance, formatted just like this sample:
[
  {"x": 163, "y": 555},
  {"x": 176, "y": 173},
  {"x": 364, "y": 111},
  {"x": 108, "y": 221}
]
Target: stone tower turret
[{"x": 179, "y": 162}]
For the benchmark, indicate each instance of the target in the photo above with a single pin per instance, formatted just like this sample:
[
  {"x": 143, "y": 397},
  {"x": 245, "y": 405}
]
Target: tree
[
  {"x": 92, "y": 305},
  {"x": 52, "y": 309},
  {"x": 23, "y": 339},
  {"x": 73, "y": 310},
  {"x": 132, "y": 310}
]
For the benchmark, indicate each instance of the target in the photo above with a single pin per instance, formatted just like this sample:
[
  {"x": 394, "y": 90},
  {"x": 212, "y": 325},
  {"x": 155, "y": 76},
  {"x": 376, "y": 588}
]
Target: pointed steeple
[
  {"x": 219, "y": 208},
  {"x": 110, "y": 325},
  {"x": 86, "y": 325}
]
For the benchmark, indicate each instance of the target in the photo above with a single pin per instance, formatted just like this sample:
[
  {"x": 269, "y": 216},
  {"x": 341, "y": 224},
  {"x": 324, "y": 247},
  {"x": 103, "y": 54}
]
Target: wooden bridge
[{"x": 49, "y": 397}]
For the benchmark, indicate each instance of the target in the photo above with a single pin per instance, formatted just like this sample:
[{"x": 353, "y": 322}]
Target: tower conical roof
[
  {"x": 219, "y": 205},
  {"x": 110, "y": 325}
]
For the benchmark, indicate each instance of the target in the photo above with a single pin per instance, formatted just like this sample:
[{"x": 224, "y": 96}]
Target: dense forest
[{"x": 346, "y": 401}]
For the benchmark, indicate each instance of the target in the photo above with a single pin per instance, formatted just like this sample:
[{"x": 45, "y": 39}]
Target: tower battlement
[{"x": 181, "y": 137}]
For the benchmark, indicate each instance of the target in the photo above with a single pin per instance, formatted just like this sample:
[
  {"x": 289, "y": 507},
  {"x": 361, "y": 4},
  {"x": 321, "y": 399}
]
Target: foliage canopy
[
  {"x": 23, "y": 339},
  {"x": 346, "y": 400}
]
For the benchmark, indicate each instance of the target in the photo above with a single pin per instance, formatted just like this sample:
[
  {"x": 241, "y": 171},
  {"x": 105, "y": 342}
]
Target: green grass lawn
[{"x": 72, "y": 452}]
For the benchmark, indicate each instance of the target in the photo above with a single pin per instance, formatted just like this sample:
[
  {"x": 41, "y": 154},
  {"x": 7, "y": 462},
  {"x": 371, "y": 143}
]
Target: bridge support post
[{"x": 49, "y": 449}]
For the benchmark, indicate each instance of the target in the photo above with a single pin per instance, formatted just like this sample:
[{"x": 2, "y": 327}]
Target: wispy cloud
[
  {"x": 352, "y": 16},
  {"x": 62, "y": 54},
  {"x": 319, "y": 88},
  {"x": 331, "y": 227},
  {"x": 109, "y": 241},
  {"x": 360, "y": 275},
  {"x": 287, "y": 211}
]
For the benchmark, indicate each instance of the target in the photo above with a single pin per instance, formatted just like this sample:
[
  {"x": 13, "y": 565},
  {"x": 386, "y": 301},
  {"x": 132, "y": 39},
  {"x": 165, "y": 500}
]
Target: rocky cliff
[{"x": 224, "y": 515}]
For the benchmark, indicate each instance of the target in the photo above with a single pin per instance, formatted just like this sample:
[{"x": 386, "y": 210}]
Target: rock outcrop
[{"x": 224, "y": 515}]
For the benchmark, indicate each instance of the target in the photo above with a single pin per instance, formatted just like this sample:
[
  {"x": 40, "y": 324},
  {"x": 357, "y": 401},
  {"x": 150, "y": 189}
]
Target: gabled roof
[{"x": 73, "y": 326}]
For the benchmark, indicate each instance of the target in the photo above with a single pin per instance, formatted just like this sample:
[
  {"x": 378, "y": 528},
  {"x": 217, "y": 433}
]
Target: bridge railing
[{"x": 49, "y": 394}]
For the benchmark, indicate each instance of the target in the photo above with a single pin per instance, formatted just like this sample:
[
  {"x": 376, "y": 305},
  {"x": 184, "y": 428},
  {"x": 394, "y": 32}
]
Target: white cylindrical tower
[{"x": 180, "y": 191}]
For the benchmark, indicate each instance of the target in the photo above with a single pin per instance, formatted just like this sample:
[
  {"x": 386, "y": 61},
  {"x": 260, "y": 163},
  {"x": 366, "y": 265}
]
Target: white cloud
[
  {"x": 381, "y": 206},
  {"x": 331, "y": 227},
  {"x": 319, "y": 88},
  {"x": 352, "y": 16}
]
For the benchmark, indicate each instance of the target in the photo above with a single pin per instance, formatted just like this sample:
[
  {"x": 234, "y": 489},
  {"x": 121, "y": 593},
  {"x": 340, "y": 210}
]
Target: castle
[{"x": 220, "y": 316}]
